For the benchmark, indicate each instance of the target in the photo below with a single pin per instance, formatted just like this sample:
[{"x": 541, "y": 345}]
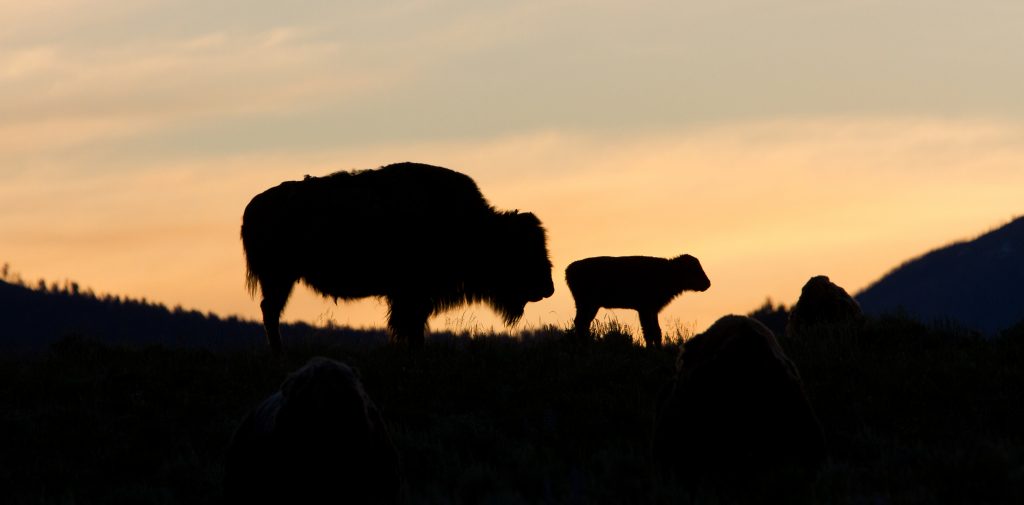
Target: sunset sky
[{"x": 773, "y": 140}]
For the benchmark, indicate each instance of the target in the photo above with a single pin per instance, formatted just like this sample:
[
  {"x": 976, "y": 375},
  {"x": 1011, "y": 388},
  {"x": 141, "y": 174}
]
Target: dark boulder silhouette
[
  {"x": 975, "y": 283},
  {"x": 422, "y": 237},
  {"x": 736, "y": 408},
  {"x": 642, "y": 283},
  {"x": 823, "y": 302},
  {"x": 320, "y": 439}
]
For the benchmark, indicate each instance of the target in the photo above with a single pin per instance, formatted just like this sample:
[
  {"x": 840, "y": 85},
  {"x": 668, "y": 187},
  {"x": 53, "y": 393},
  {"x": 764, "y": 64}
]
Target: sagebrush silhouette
[
  {"x": 421, "y": 236},
  {"x": 319, "y": 439},
  {"x": 642, "y": 283}
]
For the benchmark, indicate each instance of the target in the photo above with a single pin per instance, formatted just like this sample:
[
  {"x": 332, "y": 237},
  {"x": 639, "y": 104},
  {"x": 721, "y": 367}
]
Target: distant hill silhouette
[
  {"x": 976, "y": 283},
  {"x": 33, "y": 318}
]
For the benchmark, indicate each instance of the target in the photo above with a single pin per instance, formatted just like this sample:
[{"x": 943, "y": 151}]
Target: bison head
[
  {"x": 689, "y": 273},
  {"x": 522, "y": 272}
]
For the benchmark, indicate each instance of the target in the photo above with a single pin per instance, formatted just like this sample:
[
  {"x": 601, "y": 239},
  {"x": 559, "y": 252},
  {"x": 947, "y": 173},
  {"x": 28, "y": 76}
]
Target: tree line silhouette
[{"x": 37, "y": 314}]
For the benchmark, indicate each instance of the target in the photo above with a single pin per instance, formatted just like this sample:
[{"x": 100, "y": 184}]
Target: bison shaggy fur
[
  {"x": 642, "y": 283},
  {"x": 420, "y": 236},
  {"x": 318, "y": 440},
  {"x": 823, "y": 302},
  {"x": 737, "y": 407}
]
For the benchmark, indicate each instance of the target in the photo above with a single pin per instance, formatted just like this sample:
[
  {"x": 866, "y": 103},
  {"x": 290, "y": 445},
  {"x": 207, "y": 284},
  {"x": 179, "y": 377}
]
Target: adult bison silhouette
[{"x": 422, "y": 237}]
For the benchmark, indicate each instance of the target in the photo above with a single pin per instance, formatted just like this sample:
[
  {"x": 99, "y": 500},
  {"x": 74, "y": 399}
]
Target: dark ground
[{"x": 912, "y": 414}]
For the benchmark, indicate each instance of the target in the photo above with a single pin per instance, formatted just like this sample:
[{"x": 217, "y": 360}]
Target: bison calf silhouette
[
  {"x": 320, "y": 439},
  {"x": 422, "y": 237},
  {"x": 641, "y": 283}
]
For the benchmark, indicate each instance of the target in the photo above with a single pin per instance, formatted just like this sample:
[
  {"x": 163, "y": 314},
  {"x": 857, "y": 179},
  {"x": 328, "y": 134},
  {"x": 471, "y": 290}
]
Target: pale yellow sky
[{"x": 772, "y": 140}]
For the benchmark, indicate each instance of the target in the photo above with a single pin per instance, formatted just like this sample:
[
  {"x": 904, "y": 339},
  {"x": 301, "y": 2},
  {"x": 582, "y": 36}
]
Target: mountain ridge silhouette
[{"x": 974, "y": 283}]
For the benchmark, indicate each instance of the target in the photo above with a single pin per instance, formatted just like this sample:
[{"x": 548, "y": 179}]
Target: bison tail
[
  {"x": 251, "y": 282},
  {"x": 250, "y": 247}
]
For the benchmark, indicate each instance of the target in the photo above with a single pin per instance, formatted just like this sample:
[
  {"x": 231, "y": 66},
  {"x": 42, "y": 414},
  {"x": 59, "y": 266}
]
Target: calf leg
[
  {"x": 407, "y": 320},
  {"x": 275, "y": 296},
  {"x": 585, "y": 314},
  {"x": 651, "y": 328}
]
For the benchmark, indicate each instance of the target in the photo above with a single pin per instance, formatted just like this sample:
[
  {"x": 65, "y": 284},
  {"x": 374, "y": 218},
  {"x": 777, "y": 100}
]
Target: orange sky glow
[
  {"x": 774, "y": 141},
  {"x": 764, "y": 206}
]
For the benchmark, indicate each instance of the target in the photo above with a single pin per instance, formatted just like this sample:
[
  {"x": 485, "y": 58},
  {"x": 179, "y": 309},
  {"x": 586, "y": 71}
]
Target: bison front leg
[
  {"x": 651, "y": 328},
  {"x": 585, "y": 315},
  {"x": 407, "y": 320},
  {"x": 275, "y": 296}
]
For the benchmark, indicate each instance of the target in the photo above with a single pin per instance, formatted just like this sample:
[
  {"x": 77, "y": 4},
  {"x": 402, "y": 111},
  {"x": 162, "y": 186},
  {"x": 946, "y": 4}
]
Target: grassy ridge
[
  {"x": 917, "y": 414},
  {"x": 912, "y": 414}
]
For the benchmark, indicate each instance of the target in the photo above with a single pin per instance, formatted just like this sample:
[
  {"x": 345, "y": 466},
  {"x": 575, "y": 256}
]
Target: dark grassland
[{"x": 912, "y": 414}]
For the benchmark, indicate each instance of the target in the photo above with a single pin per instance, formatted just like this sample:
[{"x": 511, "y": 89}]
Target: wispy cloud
[
  {"x": 377, "y": 73},
  {"x": 61, "y": 95},
  {"x": 23, "y": 63}
]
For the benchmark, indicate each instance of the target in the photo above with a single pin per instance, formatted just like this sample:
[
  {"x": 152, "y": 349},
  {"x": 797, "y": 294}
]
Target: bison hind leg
[
  {"x": 407, "y": 319},
  {"x": 651, "y": 328},
  {"x": 275, "y": 296}
]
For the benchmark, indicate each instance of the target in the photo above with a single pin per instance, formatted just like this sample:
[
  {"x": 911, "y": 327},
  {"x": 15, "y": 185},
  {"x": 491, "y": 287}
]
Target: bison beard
[{"x": 422, "y": 237}]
